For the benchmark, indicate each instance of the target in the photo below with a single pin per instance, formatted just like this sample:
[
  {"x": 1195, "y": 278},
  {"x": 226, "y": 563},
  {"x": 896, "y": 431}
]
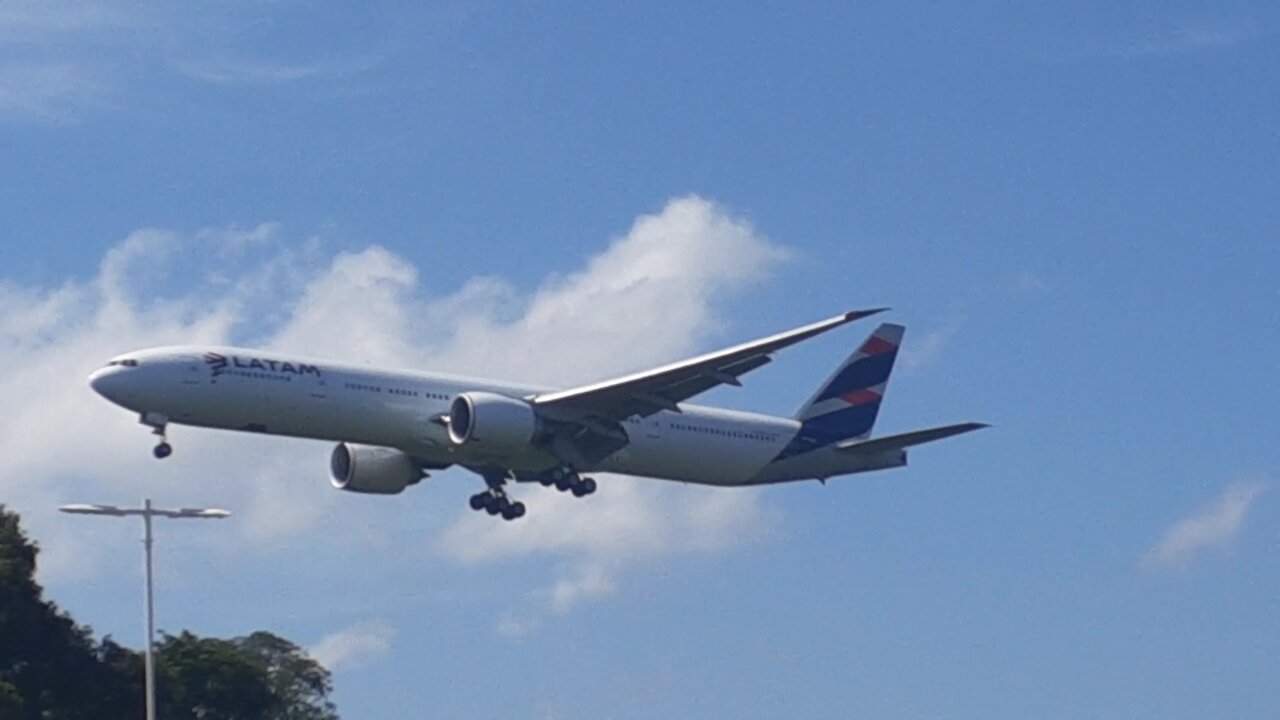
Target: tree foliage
[
  {"x": 300, "y": 684},
  {"x": 52, "y": 669}
]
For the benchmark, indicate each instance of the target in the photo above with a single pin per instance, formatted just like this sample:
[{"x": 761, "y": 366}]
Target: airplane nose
[
  {"x": 95, "y": 381},
  {"x": 101, "y": 381}
]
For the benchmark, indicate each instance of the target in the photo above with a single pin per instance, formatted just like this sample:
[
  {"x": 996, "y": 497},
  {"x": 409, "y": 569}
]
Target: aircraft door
[
  {"x": 653, "y": 427},
  {"x": 194, "y": 373}
]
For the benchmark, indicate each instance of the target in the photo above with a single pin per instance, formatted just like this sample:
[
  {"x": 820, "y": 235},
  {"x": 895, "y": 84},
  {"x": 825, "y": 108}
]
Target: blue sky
[{"x": 1073, "y": 208}]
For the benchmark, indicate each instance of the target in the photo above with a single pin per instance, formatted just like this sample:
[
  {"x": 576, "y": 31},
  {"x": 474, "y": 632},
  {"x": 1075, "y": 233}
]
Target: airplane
[{"x": 394, "y": 427}]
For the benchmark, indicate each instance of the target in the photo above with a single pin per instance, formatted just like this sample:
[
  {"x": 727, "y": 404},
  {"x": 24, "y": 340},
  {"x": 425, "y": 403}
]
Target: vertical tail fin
[{"x": 845, "y": 407}]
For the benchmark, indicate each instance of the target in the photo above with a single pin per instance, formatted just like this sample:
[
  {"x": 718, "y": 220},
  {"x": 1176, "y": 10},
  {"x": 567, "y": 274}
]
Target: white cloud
[
  {"x": 367, "y": 296},
  {"x": 354, "y": 647},
  {"x": 1190, "y": 37},
  {"x": 35, "y": 21},
  {"x": 51, "y": 91},
  {"x": 590, "y": 580},
  {"x": 514, "y": 625},
  {"x": 63, "y": 59},
  {"x": 628, "y": 518},
  {"x": 66, "y": 59},
  {"x": 1161, "y": 38},
  {"x": 660, "y": 283},
  {"x": 244, "y": 72},
  {"x": 234, "y": 240},
  {"x": 919, "y": 353},
  {"x": 233, "y": 71},
  {"x": 1214, "y": 525},
  {"x": 628, "y": 521},
  {"x": 1028, "y": 283}
]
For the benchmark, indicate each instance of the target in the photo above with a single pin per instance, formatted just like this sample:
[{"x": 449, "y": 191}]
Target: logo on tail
[{"x": 846, "y": 406}]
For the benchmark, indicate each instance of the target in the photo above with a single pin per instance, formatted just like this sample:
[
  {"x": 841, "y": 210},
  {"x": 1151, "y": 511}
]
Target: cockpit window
[{"x": 124, "y": 363}]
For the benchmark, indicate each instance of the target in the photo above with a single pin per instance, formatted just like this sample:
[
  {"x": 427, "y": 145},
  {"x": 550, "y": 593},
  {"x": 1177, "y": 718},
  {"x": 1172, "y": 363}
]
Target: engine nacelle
[
  {"x": 371, "y": 469},
  {"x": 491, "y": 422}
]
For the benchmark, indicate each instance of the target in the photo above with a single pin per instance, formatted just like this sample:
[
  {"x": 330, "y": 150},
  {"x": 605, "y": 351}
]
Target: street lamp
[{"x": 147, "y": 512}]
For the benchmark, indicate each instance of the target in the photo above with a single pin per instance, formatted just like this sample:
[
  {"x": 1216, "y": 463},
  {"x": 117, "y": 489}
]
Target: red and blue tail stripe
[{"x": 846, "y": 406}]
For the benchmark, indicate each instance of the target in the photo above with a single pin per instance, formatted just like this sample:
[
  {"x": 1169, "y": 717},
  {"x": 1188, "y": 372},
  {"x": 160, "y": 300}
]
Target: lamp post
[{"x": 147, "y": 512}]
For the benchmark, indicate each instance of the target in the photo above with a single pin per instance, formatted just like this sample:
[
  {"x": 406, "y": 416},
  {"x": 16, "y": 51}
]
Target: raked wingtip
[{"x": 859, "y": 314}]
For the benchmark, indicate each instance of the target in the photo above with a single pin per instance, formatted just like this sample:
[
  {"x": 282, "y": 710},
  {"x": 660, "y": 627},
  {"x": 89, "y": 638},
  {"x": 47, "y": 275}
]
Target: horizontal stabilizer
[{"x": 903, "y": 440}]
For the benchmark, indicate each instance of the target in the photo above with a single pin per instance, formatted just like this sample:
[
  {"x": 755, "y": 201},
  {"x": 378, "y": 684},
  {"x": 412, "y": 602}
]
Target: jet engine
[
  {"x": 371, "y": 469},
  {"x": 491, "y": 422}
]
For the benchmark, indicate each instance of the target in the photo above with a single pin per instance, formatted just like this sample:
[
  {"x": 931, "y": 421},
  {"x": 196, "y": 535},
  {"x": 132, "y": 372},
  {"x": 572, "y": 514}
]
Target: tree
[
  {"x": 125, "y": 679},
  {"x": 49, "y": 668},
  {"x": 261, "y": 676},
  {"x": 301, "y": 684},
  {"x": 52, "y": 669},
  {"x": 210, "y": 679},
  {"x": 10, "y": 702}
]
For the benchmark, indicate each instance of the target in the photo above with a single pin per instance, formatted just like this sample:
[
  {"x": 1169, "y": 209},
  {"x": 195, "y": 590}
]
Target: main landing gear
[
  {"x": 158, "y": 423},
  {"x": 568, "y": 480},
  {"x": 495, "y": 500}
]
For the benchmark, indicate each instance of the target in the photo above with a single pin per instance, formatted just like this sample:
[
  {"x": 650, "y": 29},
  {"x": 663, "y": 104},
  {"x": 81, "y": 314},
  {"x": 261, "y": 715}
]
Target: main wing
[{"x": 651, "y": 391}]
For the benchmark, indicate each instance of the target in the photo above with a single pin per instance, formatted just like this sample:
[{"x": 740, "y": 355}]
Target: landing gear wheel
[
  {"x": 158, "y": 424},
  {"x": 588, "y": 486},
  {"x": 495, "y": 500}
]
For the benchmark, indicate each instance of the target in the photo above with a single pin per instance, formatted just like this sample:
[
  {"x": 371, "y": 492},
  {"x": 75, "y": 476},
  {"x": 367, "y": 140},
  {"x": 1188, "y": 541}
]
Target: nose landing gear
[{"x": 158, "y": 423}]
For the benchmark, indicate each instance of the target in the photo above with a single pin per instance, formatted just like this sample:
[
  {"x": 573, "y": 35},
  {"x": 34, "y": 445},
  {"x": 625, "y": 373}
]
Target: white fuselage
[{"x": 266, "y": 392}]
